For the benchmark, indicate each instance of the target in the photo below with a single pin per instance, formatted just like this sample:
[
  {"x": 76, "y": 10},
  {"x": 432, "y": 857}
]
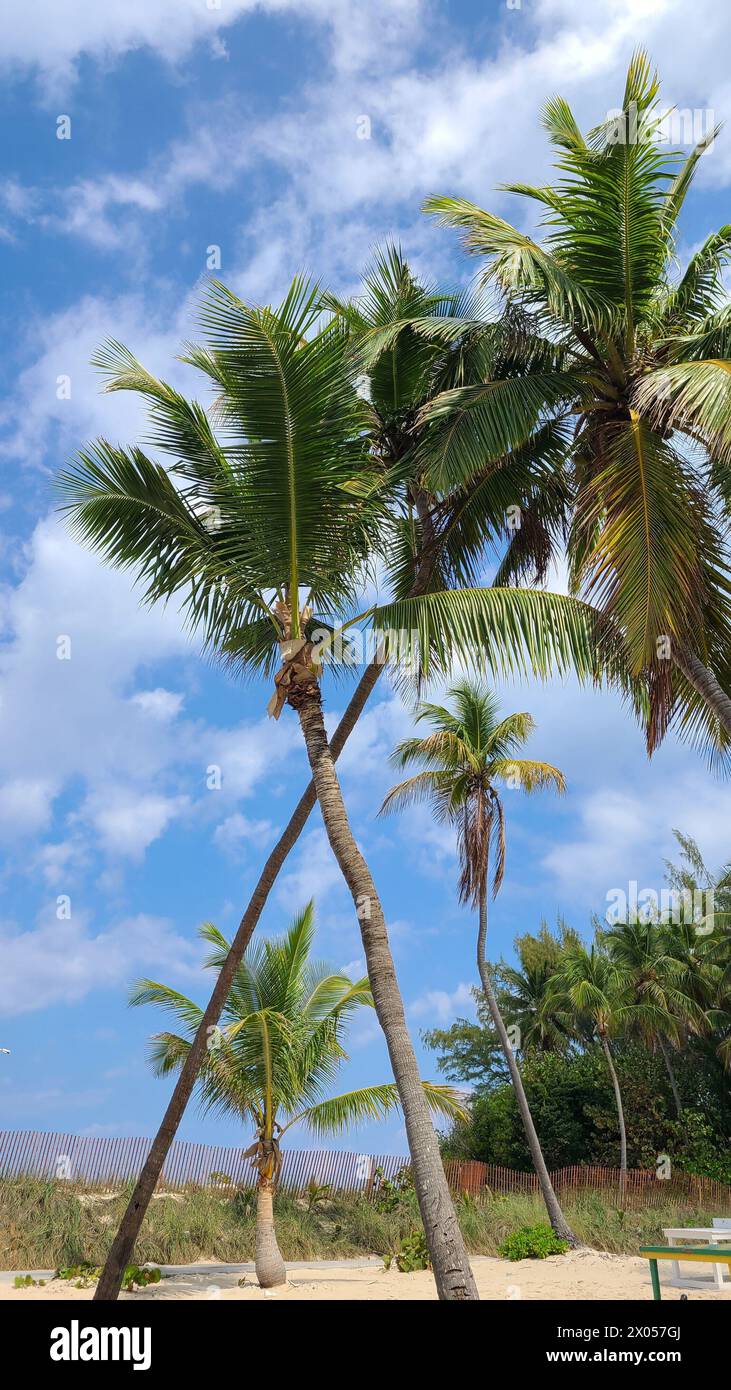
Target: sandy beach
[{"x": 578, "y": 1277}]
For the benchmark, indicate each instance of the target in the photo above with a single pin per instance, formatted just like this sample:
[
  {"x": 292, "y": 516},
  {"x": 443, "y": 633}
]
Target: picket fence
[{"x": 86, "y": 1161}]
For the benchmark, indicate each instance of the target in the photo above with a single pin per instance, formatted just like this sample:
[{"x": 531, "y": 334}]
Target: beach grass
[{"x": 47, "y": 1224}]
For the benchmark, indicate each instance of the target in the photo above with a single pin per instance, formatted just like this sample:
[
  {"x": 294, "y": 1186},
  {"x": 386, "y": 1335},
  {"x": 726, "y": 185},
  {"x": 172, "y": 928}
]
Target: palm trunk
[
  {"x": 123, "y": 1245},
  {"x": 452, "y": 1272},
  {"x": 555, "y": 1215},
  {"x": 706, "y": 685},
  {"x": 620, "y": 1116},
  {"x": 671, "y": 1075},
  {"x": 270, "y": 1267}
]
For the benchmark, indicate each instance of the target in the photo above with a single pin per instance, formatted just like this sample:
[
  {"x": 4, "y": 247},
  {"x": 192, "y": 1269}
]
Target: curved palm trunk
[
  {"x": 555, "y": 1214},
  {"x": 706, "y": 685},
  {"x": 671, "y": 1075},
  {"x": 270, "y": 1267},
  {"x": 620, "y": 1117},
  {"x": 123, "y": 1245},
  {"x": 452, "y": 1272}
]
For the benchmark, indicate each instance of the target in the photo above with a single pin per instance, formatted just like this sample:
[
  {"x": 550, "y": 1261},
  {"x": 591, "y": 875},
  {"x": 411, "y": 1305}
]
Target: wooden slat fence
[
  {"x": 101, "y": 1161},
  {"x": 85, "y": 1161}
]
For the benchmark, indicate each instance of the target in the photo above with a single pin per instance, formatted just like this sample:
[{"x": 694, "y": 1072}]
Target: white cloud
[
  {"x": 238, "y": 831},
  {"x": 355, "y": 969},
  {"x": 627, "y": 835},
  {"x": 63, "y": 961},
  {"x": 25, "y": 805},
  {"x": 73, "y": 721},
  {"x": 62, "y": 347},
  {"x": 52, "y": 38},
  {"x": 440, "y": 1006},
  {"x": 127, "y": 824},
  {"x": 160, "y": 704},
  {"x": 315, "y": 874}
]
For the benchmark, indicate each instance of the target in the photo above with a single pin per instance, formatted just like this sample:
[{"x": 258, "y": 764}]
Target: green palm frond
[
  {"x": 694, "y": 396},
  {"x": 373, "y": 1103},
  {"x": 521, "y": 267},
  {"x": 280, "y": 1046},
  {"x": 643, "y": 567},
  {"x": 503, "y": 631}
]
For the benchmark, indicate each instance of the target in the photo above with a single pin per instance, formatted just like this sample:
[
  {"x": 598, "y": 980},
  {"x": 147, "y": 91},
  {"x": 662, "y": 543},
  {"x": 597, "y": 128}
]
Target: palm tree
[
  {"x": 703, "y": 947},
  {"x": 641, "y": 361},
  {"x": 467, "y": 754},
  {"x": 523, "y": 990},
  {"x": 284, "y": 500},
  {"x": 662, "y": 1007},
  {"x": 272, "y": 1062},
  {"x": 590, "y": 994}
]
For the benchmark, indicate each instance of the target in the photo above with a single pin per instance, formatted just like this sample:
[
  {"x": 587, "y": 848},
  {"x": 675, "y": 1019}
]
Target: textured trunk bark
[
  {"x": 705, "y": 683},
  {"x": 123, "y": 1245},
  {"x": 452, "y": 1272},
  {"x": 620, "y": 1116},
  {"x": 270, "y": 1267},
  {"x": 671, "y": 1074},
  {"x": 555, "y": 1215}
]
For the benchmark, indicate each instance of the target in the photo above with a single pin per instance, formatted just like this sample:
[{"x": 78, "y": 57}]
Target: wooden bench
[{"x": 708, "y": 1254}]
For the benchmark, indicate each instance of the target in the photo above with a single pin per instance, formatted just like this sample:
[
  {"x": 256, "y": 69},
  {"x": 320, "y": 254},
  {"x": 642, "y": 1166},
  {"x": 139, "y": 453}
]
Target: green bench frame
[{"x": 708, "y": 1254}]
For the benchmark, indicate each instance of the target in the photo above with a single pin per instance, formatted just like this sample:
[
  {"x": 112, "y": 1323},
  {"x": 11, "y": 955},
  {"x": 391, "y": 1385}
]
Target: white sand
[{"x": 578, "y": 1276}]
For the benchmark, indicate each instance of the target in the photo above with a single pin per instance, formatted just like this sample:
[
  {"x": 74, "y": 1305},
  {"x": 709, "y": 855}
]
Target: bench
[{"x": 709, "y": 1254}]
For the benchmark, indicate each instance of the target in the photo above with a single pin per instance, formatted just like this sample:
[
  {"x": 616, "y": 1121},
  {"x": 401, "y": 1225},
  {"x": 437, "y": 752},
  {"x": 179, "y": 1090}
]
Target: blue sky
[{"x": 237, "y": 126}]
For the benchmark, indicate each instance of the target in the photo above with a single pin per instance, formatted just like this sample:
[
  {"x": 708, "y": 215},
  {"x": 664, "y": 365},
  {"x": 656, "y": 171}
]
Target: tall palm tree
[
  {"x": 662, "y": 1007},
  {"x": 272, "y": 1062},
  {"x": 467, "y": 755},
  {"x": 640, "y": 360},
  {"x": 265, "y": 527},
  {"x": 590, "y": 992}
]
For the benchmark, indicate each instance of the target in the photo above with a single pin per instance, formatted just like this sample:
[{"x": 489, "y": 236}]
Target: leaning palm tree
[
  {"x": 591, "y": 994},
  {"x": 265, "y": 527},
  {"x": 640, "y": 360},
  {"x": 273, "y": 1060},
  {"x": 468, "y": 754}
]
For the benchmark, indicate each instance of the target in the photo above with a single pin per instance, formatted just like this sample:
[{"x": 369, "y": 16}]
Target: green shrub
[
  {"x": 532, "y": 1243},
  {"x": 411, "y": 1255},
  {"x": 393, "y": 1193},
  {"x": 137, "y": 1278}
]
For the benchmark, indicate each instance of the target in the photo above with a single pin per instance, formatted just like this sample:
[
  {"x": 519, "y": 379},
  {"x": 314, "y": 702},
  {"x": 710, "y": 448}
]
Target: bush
[
  {"x": 412, "y": 1254},
  {"x": 532, "y": 1243}
]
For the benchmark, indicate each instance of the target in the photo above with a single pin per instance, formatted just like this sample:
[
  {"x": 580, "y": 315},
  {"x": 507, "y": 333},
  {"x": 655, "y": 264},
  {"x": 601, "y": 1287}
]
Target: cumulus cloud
[
  {"x": 52, "y": 38},
  {"x": 315, "y": 875},
  {"x": 440, "y": 1006},
  {"x": 237, "y": 832},
  {"x": 160, "y": 704},
  {"x": 76, "y": 641},
  {"x": 60, "y": 962}
]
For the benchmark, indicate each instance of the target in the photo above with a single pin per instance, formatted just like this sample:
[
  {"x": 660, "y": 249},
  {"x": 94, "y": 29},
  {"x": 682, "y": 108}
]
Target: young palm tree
[
  {"x": 662, "y": 1008},
  {"x": 265, "y": 528},
  {"x": 469, "y": 752},
  {"x": 275, "y": 1057},
  {"x": 590, "y": 993},
  {"x": 641, "y": 361}
]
